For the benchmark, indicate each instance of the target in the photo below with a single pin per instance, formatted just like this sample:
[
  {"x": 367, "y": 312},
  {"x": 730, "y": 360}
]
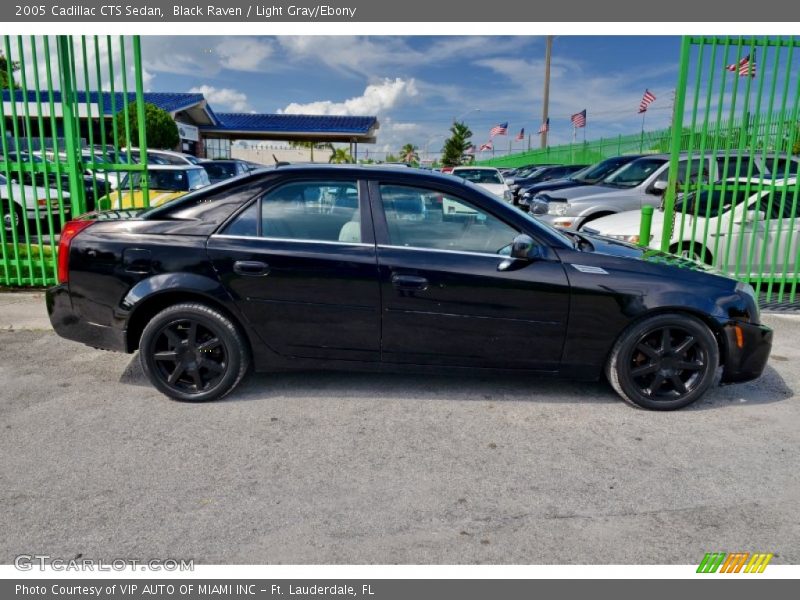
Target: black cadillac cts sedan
[{"x": 395, "y": 269}]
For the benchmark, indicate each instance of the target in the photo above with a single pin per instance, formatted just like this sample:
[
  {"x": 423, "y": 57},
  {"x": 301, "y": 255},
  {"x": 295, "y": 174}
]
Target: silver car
[{"x": 643, "y": 182}]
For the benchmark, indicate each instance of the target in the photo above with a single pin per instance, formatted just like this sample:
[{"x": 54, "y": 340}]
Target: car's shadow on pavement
[{"x": 470, "y": 386}]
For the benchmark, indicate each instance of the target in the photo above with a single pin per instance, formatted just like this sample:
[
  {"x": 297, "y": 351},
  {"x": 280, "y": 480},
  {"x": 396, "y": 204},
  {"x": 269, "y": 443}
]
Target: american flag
[
  {"x": 544, "y": 127},
  {"x": 520, "y": 135},
  {"x": 579, "y": 119},
  {"x": 745, "y": 67},
  {"x": 648, "y": 98},
  {"x": 500, "y": 129},
  {"x": 486, "y": 146}
]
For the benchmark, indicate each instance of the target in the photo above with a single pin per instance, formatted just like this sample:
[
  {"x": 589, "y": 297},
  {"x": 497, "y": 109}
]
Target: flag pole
[
  {"x": 641, "y": 138},
  {"x": 548, "y": 49}
]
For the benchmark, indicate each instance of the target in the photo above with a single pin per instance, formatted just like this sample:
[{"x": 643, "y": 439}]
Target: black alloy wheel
[
  {"x": 664, "y": 362},
  {"x": 192, "y": 352}
]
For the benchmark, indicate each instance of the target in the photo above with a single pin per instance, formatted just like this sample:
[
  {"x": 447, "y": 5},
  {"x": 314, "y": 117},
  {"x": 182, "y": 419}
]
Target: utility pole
[{"x": 548, "y": 49}]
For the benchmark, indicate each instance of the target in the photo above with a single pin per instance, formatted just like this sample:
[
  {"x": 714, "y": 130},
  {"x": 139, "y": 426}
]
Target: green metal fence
[
  {"x": 587, "y": 152},
  {"x": 764, "y": 130},
  {"x": 739, "y": 99},
  {"x": 62, "y": 147}
]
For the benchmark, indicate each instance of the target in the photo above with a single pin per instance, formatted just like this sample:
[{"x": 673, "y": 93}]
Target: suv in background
[
  {"x": 642, "y": 182},
  {"x": 591, "y": 175}
]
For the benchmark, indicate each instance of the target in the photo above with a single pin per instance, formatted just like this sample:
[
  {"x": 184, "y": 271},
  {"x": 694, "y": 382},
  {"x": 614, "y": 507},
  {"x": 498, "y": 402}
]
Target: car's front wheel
[
  {"x": 194, "y": 353},
  {"x": 663, "y": 362}
]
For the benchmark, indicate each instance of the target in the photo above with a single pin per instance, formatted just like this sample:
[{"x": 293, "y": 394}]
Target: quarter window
[{"x": 424, "y": 218}]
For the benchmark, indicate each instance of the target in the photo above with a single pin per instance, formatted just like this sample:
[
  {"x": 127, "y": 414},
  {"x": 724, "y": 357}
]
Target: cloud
[
  {"x": 186, "y": 55},
  {"x": 377, "y": 99},
  {"x": 225, "y": 97},
  {"x": 243, "y": 53}
]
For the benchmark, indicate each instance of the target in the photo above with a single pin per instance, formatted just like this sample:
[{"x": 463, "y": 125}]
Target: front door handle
[
  {"x": 251, "y": 268},
  {"x": 409, "y": 282}
]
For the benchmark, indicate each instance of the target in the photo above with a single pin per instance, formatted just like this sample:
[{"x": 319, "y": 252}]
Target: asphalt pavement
[{"x": 360, "y": 468}]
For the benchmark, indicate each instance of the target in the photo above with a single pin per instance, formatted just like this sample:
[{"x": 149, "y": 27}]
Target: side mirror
[
  {"x": 658, "y": 188},
  {"x": 522, "y": 246}
]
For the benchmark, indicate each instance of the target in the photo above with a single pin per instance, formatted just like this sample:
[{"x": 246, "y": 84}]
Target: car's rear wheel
[
  {"x": 194, "y": 353},
  {"x": 12, "y": 218},
  {"x": 663, "y": 362}
]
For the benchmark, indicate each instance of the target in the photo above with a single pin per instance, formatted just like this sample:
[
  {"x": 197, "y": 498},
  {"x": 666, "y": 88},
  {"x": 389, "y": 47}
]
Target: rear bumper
[
  {"x": 69, "y": 325},
  {"x": 747, "y": 351}
]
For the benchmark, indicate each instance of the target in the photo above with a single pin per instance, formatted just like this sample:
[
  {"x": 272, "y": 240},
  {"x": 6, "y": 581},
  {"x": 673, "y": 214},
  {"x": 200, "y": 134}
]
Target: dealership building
[{"x": 203, "y": 131}]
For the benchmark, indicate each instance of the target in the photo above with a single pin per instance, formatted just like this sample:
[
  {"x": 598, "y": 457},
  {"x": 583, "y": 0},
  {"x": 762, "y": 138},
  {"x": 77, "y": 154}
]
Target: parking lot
[{"x": 354, "y": 468}]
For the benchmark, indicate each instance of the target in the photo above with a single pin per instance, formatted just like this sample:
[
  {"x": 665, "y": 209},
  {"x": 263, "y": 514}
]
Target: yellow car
[{"x": 166, "y": 183}]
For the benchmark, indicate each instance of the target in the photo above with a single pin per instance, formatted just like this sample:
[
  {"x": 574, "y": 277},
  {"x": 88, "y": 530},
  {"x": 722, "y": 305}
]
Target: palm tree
[
  {"x": 455, "y": 147},
  {"x": 340, "y": 156},
  {"x": 409, "y": 153}
]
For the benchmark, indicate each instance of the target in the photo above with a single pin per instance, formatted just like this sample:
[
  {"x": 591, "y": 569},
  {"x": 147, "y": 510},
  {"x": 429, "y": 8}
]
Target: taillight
[{"x": 71, "y": 229}]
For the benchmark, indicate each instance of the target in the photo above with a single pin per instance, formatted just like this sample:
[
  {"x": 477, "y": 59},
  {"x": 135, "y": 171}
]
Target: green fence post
[
  {"x": 72, "y": 145},
  {"x": 644, "y": 226},
  {"x": 677, "y": 128},
  {"x": 140, "y": 117}
]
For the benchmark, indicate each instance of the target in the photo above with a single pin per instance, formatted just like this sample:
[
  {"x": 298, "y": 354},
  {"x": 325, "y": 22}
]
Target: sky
[{"x": 417, "y": 85}]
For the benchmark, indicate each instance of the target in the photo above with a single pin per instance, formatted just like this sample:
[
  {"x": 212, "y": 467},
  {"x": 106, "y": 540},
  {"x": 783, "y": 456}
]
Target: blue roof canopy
[{"x": 228, "y": 125}]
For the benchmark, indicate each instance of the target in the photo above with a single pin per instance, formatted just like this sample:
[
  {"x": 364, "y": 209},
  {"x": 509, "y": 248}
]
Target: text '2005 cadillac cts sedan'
[{"x": 394, "y": 269}]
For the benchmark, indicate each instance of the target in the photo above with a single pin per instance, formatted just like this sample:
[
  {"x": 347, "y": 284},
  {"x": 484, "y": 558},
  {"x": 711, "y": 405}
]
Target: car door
[
  {"x": 764, "y": 236},
  {"x": 446, "y": 298},
  {"x": 301, "y": 265}
]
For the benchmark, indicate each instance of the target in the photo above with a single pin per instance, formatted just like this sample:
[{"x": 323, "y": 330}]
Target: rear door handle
[
  {"x": 409, "y": 282},
  {"x": 251, "y": 268}
]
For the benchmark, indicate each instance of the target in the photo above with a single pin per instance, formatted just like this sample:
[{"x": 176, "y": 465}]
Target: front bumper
[
  {"x": 747, "y": 349},
  {"x": 69, "y": 325}
]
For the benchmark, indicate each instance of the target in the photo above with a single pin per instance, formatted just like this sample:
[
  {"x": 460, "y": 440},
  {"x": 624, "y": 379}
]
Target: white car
[
  {"x": 488, "y": 178},
  {"x": 26, "y": 200},
  {"x": 737, "y": 231}
]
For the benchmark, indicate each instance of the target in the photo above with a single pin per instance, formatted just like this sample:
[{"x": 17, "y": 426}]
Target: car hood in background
[
  {"x": 586, "y": 191},
  {"x": 553, "y": 184},
  {"x": 625, "y": 223}
]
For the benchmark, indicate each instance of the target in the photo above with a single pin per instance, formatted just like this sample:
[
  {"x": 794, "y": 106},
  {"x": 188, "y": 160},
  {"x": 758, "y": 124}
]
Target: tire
[
  {"x": 208, "y": 369},
  {"x": 649, "y": 373},
  {"x": 692, "y": 251},
  {"x": 15, "y": 213}
]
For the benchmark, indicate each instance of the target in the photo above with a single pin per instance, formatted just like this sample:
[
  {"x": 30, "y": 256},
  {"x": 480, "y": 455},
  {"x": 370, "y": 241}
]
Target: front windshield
[
  {"x": 635, "y": 172},
  {"x": 479, "y": 175},
  {"x": 598, "y": 172},
  {"x": 532, "y": 172}
]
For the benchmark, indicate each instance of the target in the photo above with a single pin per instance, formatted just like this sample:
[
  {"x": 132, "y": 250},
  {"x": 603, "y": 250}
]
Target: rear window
[
  {"x": 206, "y": 209},
  {"x": 479, "y": 175}
]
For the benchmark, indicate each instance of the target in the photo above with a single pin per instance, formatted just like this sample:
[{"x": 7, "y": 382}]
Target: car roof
[
  {"x": 186, "y": 167},
  {"x": 463, "y": 167}
]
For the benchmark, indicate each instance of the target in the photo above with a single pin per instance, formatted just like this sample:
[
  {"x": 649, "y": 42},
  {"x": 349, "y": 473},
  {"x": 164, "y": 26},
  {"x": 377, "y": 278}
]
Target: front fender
[{"x": 598, "y": 208}]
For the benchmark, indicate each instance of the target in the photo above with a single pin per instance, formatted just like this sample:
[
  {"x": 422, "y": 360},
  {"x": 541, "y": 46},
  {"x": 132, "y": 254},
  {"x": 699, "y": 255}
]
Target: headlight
[
  {"x": 557, "y": 208},
  {"x": 631, "y": 239},
  {"x": 508, "y": 196}
]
